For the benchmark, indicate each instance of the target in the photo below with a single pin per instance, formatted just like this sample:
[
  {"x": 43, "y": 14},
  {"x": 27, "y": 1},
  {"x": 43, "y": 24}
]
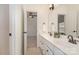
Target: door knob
[{"x": 10, "y": 34}]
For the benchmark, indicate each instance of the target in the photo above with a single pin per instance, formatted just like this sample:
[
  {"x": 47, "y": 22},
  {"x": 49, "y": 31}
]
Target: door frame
[{"x": 25, "y": 30}]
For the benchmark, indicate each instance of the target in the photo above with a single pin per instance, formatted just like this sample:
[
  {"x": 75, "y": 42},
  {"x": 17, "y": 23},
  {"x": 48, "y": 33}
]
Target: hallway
[{"x": 32, "y": 46}]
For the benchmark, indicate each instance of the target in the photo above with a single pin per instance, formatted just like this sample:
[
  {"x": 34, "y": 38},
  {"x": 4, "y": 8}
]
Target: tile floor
[{"x": 32, "y": 46}]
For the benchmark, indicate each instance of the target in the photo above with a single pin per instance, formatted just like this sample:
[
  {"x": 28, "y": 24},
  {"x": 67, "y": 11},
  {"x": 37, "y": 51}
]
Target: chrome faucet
[{"x": 71, "y": 40}]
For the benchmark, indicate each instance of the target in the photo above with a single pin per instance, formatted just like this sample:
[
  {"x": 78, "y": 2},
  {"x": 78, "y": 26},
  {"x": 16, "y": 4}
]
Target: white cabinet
[
  {"x": 44, "y": 47},
  {"x": 49, "y": 51},
  {"x": 57, "y": 51},
  {"x": 48, "y": 48}
]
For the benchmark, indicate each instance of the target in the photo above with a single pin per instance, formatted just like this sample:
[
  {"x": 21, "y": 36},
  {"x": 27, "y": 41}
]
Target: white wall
[
  {"x": 4, "y": 29},
  {"x": 16, "y": 28}
]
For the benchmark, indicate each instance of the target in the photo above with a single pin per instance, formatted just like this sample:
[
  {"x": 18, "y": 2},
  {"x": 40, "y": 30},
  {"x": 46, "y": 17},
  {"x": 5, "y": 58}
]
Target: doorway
[{"x": 30, "y": 27}]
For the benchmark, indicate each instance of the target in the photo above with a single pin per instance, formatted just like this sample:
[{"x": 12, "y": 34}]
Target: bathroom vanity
[
  {"x": 57, "y": 46},
  {"x": 48, "y": 48}
]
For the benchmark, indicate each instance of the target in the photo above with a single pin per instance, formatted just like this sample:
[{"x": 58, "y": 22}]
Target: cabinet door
[
  {"x": 49, "y": 51},
  {"x": 43, "y": 49},
  {"x": 48, "y": 47},
  {"x": 42, "y": 45},
  {"x": 58, "y": 51}
]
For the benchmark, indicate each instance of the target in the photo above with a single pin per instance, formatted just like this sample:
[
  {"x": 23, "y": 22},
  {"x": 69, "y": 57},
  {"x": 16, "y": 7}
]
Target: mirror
[
  {"x": 61, "y": 25},
  {"x": 68, "y": 24}
]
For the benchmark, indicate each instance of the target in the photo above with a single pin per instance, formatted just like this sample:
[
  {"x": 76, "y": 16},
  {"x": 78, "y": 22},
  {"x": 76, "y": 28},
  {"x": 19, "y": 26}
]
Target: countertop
[{"x": 63, "y": 44}]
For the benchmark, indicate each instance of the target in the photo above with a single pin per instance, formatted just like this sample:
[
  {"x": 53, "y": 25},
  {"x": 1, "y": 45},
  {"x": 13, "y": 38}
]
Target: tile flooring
[
  {"x": 31, "y": 42},
  {"x": 32, "y": 46}
]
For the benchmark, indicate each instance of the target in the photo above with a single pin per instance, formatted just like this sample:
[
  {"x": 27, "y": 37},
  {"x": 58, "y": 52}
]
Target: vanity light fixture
[{"x": 51, "y": 7}]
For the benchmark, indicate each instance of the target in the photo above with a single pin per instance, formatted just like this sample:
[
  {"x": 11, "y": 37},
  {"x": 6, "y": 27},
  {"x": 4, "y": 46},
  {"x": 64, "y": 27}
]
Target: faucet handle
[
  {"x": 70, "y": 37},
  {"x": 50, "y": 33}
]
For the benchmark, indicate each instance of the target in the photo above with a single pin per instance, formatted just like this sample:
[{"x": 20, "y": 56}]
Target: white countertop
[{"x": 63, "y": 44}]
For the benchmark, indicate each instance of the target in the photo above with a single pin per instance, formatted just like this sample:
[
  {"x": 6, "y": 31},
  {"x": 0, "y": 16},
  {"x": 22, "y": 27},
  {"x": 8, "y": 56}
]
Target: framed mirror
[{"x": 61, "y": 25}]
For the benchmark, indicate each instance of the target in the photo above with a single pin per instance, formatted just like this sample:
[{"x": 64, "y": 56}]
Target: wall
[
  {"x": 16, "y": 28},
  {"x": 4, "y": 29}
]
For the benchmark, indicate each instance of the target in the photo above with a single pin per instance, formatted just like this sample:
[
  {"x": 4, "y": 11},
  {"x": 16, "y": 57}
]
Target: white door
[
  {"x": 12, "y": 29},
  {"x": 15, "y": 14}
]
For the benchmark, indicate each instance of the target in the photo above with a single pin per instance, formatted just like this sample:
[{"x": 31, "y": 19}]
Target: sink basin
[{"x": 65, "y": 46}]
